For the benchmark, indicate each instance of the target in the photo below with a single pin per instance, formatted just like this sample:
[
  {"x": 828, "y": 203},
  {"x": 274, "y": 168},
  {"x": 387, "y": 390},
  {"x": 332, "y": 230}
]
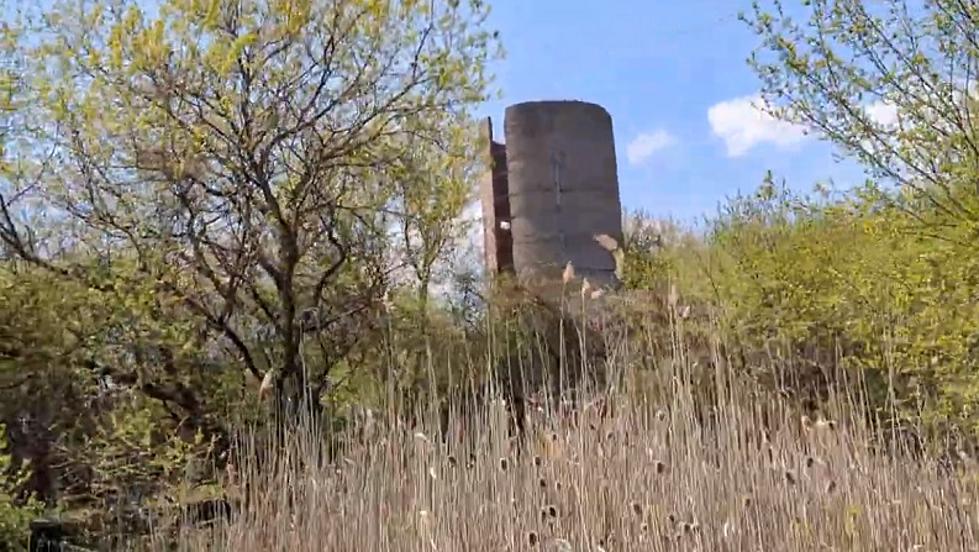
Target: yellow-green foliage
[
  {"x": 892, "y": 275},
  {"x": 139, "y": 462},
  {"x": 849, "y": 282},
  {"x": 15, "y": 515}
]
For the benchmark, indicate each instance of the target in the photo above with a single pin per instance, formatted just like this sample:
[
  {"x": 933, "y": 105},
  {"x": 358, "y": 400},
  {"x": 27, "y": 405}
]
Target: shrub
[
  {"x": 840, "y": 283},
  {"x": 16, "y": 512}
]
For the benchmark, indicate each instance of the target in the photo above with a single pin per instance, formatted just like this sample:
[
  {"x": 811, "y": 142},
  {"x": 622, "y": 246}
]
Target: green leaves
[
  {"x": 834, "y": 72},
  {"x": 897, "y": 276},
  {"x": 15, "y": 515},
  {"x": 853, "y": 277},
  {"x": 207, "y": 190}
]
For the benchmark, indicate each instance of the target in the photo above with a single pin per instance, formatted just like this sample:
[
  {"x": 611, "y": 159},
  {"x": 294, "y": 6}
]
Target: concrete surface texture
[
  {"x": 494, "y": 197},
  {"x": 563, "y": 189}
]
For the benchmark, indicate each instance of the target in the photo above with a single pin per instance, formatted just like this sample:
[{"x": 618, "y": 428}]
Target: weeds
[{"x": 661, "y": 469}]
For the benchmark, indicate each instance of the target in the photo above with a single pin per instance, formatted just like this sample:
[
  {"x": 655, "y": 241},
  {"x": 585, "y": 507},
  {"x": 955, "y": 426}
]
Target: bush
[
  {"x": 15, "y": 513},
  {"x": 840, "y": 283}
]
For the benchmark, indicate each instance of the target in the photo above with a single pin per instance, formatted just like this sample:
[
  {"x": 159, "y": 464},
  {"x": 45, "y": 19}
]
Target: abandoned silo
[
  {"x": 548, "y": 191},
  {"x": 563, "y": 189}
]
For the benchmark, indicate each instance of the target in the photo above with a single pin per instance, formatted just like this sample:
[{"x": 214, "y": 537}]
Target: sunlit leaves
[
  {"x": 825, "y": 70},
  {"x": 241, "y": 162},
  {"x": 856, "y": 277}
]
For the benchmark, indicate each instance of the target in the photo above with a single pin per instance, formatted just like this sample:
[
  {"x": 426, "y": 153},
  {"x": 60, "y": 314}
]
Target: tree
[
  {"x": 434, "y": 187},
  {"x": 892, "y": 83},
  {"x": 229, "y": 163},
  {"x": 433, "y": 198}
]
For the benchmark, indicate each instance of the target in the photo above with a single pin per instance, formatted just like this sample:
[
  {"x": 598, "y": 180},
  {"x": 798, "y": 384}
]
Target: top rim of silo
[{"x": 539, "y": 104}]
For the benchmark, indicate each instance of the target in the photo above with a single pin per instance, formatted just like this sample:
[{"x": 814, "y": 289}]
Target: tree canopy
[
  {"x": 892, "y": 84},
  {"x": 242, "y": 163}
]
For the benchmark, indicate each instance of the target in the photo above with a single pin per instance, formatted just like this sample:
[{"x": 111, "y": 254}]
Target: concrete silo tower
[{"x": 557, "y": 190}]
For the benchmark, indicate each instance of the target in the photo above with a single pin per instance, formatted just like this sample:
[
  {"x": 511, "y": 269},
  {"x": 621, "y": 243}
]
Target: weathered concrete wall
[
  {"x": 563, "y": 189},
  {"x": 553, "y": 186},
  {"x": 494, "y": 197}
]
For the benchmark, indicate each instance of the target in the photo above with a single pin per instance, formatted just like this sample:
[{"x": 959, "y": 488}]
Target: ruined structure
[{"x": 552, "y": 187}]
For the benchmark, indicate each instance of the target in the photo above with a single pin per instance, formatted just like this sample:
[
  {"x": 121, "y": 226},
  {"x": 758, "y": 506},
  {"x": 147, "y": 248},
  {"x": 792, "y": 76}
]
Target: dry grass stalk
[{"x": 738, "y": 473}]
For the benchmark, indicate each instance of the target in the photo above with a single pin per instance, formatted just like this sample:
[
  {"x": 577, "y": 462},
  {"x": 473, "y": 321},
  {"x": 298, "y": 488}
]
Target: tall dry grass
[{"x": 650, "y": 463}]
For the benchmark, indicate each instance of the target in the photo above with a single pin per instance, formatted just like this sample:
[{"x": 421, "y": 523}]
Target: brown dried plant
[{"x": 679, "y": 472}]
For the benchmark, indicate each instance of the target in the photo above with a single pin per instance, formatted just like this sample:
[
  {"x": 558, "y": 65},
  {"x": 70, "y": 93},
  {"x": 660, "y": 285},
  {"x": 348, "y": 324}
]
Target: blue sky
[{"x": 659, "y": 67}]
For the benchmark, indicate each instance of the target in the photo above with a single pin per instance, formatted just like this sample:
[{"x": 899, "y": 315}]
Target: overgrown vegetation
[
  {"x": 643, "y": 467},
  {"x": 15, "y": 514},
  {"x": 213, "y": 215}
]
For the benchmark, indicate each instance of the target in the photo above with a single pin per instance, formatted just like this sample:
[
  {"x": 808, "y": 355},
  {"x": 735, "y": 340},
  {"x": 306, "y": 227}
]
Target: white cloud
[
  {"x": 882, "y": 113},
  {"x": 742, "y": 124},
  {"x": 643, "y": 146}
]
